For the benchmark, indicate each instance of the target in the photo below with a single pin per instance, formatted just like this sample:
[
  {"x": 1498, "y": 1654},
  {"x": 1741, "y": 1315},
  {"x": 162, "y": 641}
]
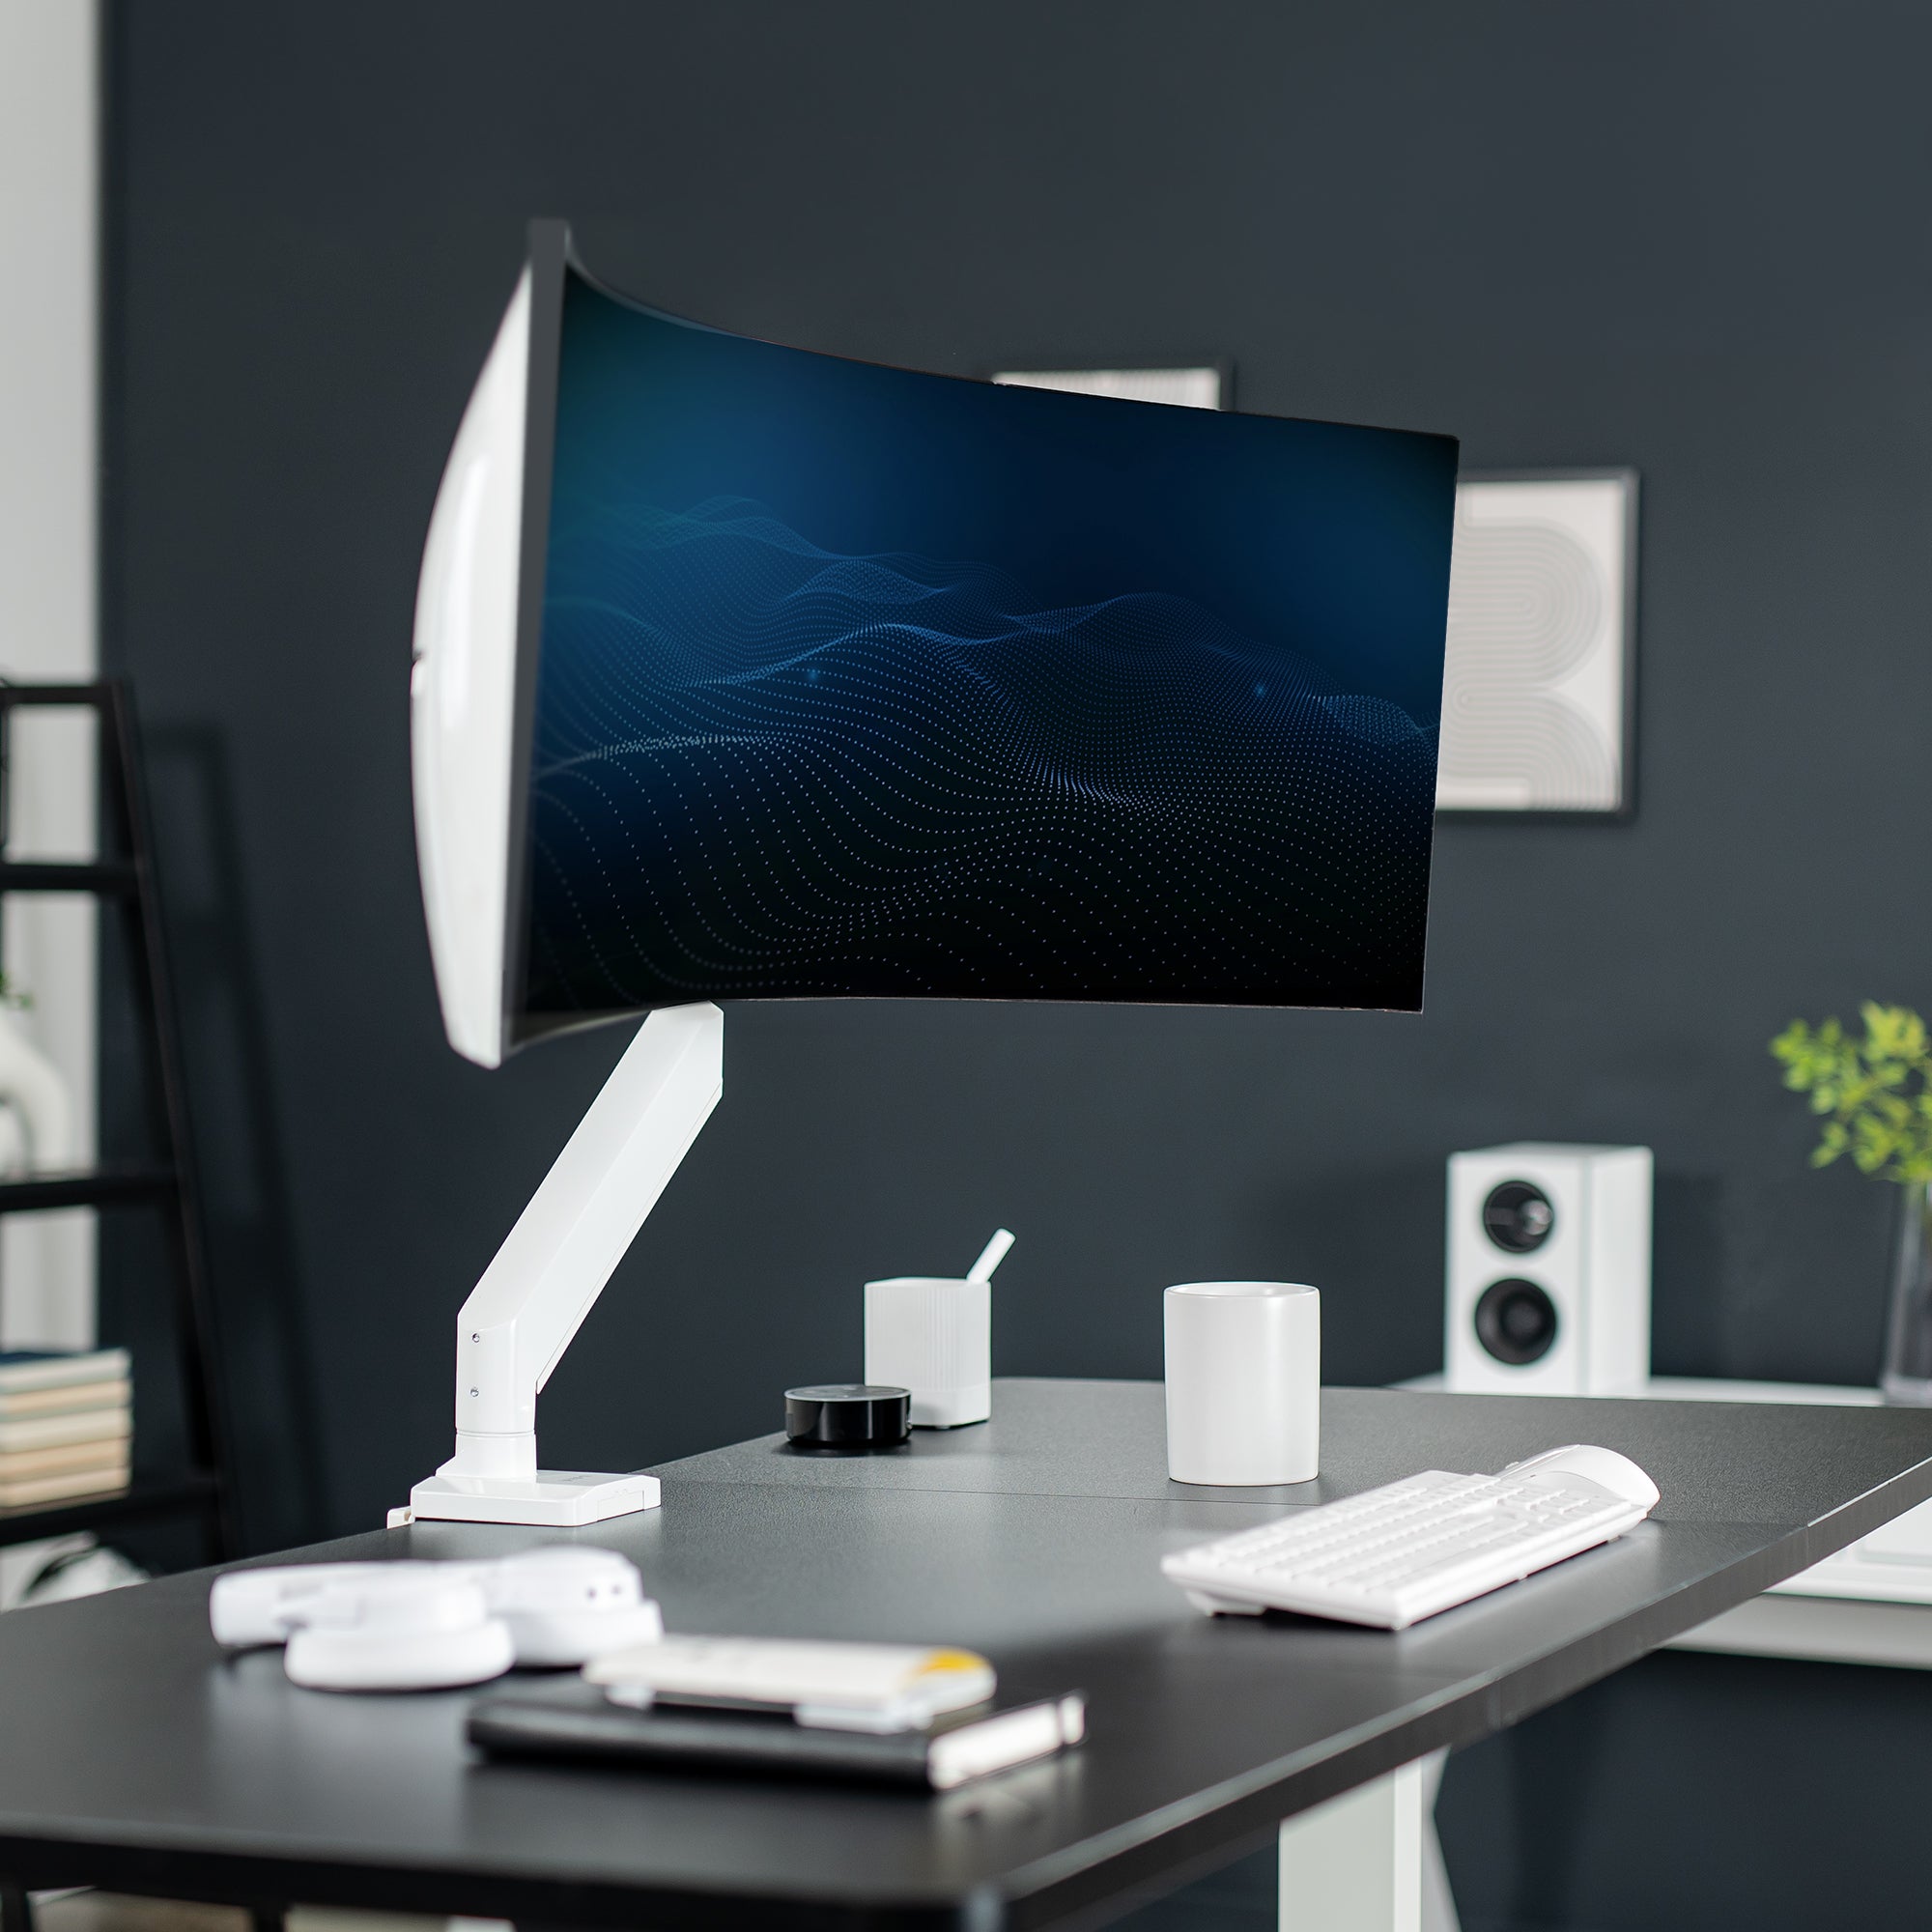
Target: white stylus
[{"x": 990, "y": 1256}]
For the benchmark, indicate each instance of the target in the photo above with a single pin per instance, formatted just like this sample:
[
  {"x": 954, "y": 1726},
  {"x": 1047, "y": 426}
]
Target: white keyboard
[{"x": 1394, "y": 1555}]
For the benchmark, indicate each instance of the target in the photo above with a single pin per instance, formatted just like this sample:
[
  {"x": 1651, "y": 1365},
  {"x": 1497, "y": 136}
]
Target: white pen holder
[
  {"x": 934, "y": 1337},
  {"x": 1243, "y": 1381}
]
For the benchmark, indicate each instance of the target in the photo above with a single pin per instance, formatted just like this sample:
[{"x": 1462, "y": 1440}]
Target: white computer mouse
[{"x": 1616, "y": 1473}]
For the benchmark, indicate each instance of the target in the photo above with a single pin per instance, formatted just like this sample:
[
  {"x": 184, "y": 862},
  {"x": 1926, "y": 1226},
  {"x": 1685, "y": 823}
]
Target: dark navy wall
[{"x": 1684, "y": 237}]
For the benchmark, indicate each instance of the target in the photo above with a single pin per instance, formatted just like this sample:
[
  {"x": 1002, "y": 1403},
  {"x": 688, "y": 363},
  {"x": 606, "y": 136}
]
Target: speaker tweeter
[{"x": 1518, "y": 1217}]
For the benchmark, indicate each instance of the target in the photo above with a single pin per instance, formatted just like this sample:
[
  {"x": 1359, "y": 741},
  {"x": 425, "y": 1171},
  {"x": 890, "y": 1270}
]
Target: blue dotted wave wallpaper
[{"x": 856, "y": 682}]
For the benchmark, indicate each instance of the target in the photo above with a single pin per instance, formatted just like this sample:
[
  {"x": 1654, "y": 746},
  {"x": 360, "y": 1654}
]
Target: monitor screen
[{"x": 856, "y": 682}]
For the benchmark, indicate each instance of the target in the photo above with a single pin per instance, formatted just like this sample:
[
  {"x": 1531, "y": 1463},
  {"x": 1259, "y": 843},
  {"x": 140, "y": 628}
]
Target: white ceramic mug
[{"x": 1243, "y": 1381}]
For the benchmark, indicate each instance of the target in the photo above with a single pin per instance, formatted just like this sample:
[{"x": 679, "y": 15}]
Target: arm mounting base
[{"x": 559, "y": 1499}]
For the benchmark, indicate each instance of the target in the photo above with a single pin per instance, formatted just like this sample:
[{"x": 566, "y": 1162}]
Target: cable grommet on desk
[{"x": 848, "y": 1415}]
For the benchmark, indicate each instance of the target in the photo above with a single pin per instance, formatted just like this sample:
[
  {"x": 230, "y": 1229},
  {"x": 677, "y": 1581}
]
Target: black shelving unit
[{"x": 164, "y": 1183}]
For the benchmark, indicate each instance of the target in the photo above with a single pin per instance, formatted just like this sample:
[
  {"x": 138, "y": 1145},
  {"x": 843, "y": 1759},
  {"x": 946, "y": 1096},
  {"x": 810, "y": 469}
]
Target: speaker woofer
[
  {"x": 1518, "y": 1217},
  {"x": 1515, "y": 1320}
]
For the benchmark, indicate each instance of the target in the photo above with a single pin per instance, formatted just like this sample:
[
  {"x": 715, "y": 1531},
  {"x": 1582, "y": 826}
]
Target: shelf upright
[{"x": 163, "y": 1183}]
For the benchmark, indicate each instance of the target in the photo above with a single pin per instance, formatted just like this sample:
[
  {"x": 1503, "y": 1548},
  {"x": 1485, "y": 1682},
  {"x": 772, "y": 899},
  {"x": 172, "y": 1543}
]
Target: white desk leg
[
  {"x": 1438, "y": 1902},
  {"x": 1368, "y": 1861}
]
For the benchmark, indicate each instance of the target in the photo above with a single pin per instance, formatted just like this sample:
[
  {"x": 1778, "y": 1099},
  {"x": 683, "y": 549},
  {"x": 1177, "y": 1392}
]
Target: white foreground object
[
  {"x": 852, "y": 1687},
  {"x": 533, "y": 1298},
  {"x": 932, "y": 1335},
  {"x": 408, "y": 1629},
  {"x": 1394, "y": 1555},
  {"x": 560, "y": 1605},
  {"x": 1243, "y": 1381}
]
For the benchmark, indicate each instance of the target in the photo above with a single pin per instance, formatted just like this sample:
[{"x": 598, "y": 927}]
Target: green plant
[{"x": 1876, "y": 1091}]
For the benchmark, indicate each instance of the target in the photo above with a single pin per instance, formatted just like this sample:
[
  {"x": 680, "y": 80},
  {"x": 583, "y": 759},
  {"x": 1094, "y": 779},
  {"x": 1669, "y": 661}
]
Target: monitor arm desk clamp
[{"x": 525, "y": 1310}]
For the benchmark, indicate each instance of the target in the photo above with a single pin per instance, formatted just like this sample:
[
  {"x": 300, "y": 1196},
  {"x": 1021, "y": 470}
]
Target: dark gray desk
[{"x": 134, "y": 1756}]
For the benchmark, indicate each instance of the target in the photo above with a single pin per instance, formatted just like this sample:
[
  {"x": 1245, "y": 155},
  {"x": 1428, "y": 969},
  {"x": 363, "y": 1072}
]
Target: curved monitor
[{"x": 748, "y": 672}]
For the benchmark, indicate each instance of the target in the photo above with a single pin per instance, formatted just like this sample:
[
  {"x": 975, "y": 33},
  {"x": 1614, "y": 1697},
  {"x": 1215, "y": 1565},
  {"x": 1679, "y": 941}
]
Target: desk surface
[{"x": 137, "y": 1756}]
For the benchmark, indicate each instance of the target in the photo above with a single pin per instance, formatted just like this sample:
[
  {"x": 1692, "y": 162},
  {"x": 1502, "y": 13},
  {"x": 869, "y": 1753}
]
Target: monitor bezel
[{"x": 551, "y": 260}]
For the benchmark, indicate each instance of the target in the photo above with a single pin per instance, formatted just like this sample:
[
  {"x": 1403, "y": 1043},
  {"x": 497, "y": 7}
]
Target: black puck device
[{"x": 848, "y": 1415}]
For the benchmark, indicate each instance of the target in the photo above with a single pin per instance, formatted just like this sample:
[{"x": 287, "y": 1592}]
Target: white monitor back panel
[{"x": 1196, "y": 388}]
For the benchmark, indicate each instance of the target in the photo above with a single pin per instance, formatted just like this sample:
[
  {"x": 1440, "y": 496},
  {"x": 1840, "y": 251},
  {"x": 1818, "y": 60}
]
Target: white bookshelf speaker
[{"x": 1548, "y": 1290}]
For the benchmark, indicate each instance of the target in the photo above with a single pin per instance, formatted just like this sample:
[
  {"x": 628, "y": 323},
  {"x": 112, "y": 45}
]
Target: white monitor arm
[{"x": 522, "y": 1314}]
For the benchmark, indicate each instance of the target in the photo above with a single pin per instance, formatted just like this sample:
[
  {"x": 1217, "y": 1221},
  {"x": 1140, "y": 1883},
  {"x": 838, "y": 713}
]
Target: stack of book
[{"x": 67, "y": 1424}]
